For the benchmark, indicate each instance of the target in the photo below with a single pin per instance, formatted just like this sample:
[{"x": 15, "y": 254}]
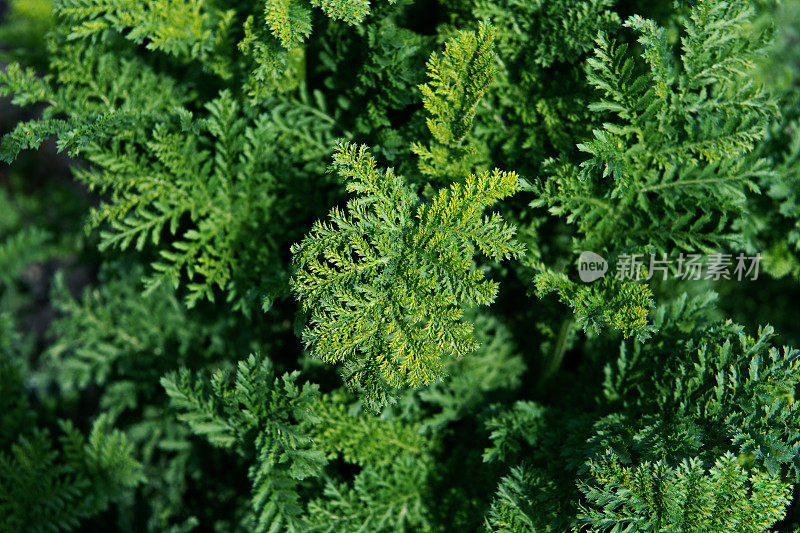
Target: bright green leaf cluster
[
  {"x": 459, "y": 78},
  {"x": 385, "y": 283}
]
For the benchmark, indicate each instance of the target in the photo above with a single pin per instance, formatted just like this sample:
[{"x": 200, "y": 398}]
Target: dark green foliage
[
  {"x": 259, "y": 415},
  {"x": 729, "y": 392},
  {"x": 386, "y": 200},
  {"x": 672, "y": 170},
  {"x": 42, "y": 488},
  {"x": 541, "y": 106},
  {"x": 656, "y": 497},
  {"x": 379, "y": 500}
]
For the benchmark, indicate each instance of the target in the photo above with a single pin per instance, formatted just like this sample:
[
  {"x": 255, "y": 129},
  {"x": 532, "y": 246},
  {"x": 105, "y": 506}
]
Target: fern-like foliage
[
  {"x": 261, "y": 417},
  {"x": 736, "y": 394},
  {"x": 204, "y": 129},
  {"x": 459, "y": 77},
  {"x": 363, "y": 439},
  {"x": 114, "y": 344},
  {"x": 390, "y": 492},
  {"x": 493, "y": 369},
  {"x": 690, "y": 498},
  {"x": 16, "y": 416},
  {"x": 217, "y": 171},
  {"x": 534, "y": 495},
  {"x": 698, "y": 392},
  {"x": 203, "y": 31},
  {"x": 190, "y": 30},
  {"x": 678, "y": 149},
  {"x": 524, "y": 503},
  {"x": 161, "y": 167},
  {"x": 20, "y": 249},
  {"x": 290, "y": 20},
  {"x": 274, "y": 39},
  {"x": 385, "y": 283},
  {"x": 606, "y": 304},
  {"x": 779, "y": 232},
  {"x": 672, "y": 168},
  {"x": 384, "y": 499},
  {"x": 539, "y": 102},
  {"x": 44, "y": 487},
  {"x": 108, "y": 336},
  {"x": 209, "y": 177},
  {"x": 510, "y": 429},
  {"x": 96, "y": 94},
  {"x": 782, "y": 254}
]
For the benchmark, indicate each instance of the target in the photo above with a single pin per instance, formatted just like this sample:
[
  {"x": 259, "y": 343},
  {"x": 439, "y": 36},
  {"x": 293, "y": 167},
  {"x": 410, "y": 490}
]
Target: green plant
[{"x": 384, "y": 202}]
